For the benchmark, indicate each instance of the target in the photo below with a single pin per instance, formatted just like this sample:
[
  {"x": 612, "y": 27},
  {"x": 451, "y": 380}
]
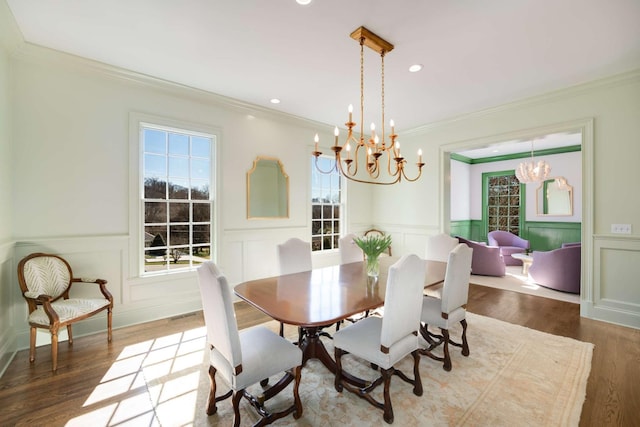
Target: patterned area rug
[{"x": 514, "y": 376}]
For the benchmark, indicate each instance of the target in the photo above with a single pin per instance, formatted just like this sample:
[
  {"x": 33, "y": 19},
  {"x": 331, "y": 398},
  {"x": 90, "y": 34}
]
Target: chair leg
[
  {"x": 388, "y": 408},
  {"x": 32, "y": 345},
  {"x": 109, "y": 324},
  {"x": 297, "y": 413},
  {"x": 445, "y": 349},
  {"x": 417, "y": 381},
  {"x": 465, "y": 344},
  {"x": 338, "y": 378},
  {"x": 70, "y": 334},
  {"x": 237, "y": 395},
  {"x": 211, "y": 404},
  {"x": 54, "y": 350}
]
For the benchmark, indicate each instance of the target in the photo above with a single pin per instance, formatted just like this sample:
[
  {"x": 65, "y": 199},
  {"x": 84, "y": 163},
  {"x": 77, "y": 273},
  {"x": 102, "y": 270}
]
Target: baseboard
[{"x": 7, "y": 352}]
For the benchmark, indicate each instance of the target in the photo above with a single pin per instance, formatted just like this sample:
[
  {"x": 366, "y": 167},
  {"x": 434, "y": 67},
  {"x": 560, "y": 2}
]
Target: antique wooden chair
[
  {"x": 385, "y": 341},
  {"x": 45, "y": 281},
  {"x": 450, "y": 308},
  {"x": 377, "y": 232},
  {"x": 247, "y": 357}
]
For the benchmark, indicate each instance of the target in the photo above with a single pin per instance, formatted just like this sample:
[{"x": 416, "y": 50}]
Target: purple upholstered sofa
[
  {"x": 509, "y": 244},
  {"x": 486, "y": 260},
  {"x": 558, "y": 269}
]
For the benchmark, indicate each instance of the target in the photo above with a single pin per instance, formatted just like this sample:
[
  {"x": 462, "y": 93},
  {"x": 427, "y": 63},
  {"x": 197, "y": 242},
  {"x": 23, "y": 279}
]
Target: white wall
[
  {"x": 68, "y": 146},
  {"x": 8, "y": 38},
  {"x": 568, "y": 165},
  {"x": 460, "y": 191},
  {"x": 607, "y": 111},
  {"x": 71, "y": 153}
]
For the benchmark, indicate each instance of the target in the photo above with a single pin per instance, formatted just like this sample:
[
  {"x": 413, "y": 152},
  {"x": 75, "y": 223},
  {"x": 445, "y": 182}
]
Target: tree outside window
[
  {"x": 177, "y": 200},
  {"x": 326, "y": 206}
]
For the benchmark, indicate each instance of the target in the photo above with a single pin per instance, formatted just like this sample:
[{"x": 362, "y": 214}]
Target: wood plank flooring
[{"x": 31, "y": 395}]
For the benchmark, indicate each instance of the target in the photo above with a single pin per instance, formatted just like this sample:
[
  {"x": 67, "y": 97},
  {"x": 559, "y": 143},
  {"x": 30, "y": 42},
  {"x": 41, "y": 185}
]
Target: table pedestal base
[{"x": 313, "y": 348}]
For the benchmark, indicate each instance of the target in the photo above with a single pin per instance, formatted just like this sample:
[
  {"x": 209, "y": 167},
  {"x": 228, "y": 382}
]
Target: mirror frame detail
[
  {"x": 557, "y": 186},
  {"x": 270, "y": 184}
]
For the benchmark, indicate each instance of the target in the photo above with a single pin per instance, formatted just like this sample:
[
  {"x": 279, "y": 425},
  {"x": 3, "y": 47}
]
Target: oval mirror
[
  {"x": 554, "y": 197},
  {"x": 267, "y": 189}
]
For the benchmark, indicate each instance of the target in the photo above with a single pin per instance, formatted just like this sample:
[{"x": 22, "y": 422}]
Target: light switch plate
[{"x": 621, "y": 228}]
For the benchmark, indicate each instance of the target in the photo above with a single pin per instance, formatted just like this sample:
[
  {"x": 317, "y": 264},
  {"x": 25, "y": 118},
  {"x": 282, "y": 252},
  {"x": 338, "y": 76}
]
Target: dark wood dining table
[{"x": 323, "y": 296}]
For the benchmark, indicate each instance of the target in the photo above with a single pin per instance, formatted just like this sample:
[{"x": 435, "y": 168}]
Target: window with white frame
[
  {"x": 177, "y": 200},
  {"x": 327, "y": 199}
]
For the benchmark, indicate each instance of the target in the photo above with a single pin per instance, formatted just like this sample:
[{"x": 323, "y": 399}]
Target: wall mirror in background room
[
  {"x": 554, "y": 197},
  {"x": 267, "y": 189}
]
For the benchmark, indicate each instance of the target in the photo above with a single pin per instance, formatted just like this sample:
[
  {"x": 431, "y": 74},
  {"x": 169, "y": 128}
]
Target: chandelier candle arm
[{"x": 377, "y": 145}]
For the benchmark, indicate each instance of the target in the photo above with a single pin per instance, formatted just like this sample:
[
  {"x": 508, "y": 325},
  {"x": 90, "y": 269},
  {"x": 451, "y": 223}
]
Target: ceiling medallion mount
[{"x": 373, "y": 149}]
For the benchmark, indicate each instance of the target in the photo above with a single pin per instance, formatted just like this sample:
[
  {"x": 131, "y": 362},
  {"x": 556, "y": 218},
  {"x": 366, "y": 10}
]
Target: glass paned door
[{"x": 504, "y": 205}]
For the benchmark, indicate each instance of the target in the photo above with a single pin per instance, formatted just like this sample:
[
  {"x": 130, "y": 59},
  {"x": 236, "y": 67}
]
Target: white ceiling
[
  {"x": 476, "y": 54},
  {"x": 546, "y": 142}
]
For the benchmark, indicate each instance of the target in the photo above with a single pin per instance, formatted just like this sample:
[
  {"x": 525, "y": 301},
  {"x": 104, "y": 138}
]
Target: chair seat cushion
[
  {"x": 264, "y": 353},
  {"x": 68, "y": 309},
  {"x": 432, "y": 313},
  {"x": 362, "y": 339}
]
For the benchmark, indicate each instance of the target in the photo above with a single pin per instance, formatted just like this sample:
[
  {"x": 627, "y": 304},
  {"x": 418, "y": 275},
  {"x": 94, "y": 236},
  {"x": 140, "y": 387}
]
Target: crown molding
[
  {"x": 513, "y": 156},
  {"x": 44, "y": 56},
  {"x": 10, "y": 35},
  {"x": 632, "y": 76}
]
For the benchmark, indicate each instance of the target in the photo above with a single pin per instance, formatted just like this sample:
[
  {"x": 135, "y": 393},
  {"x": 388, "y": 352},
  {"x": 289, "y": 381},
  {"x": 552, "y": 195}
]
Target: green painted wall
[{"x": 542, "y": 236}]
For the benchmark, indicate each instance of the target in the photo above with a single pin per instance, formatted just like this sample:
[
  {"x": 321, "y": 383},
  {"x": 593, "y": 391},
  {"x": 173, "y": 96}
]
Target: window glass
[
  {"x": 176, "y": 198},
  {"x": 326, "y": 199},
  {"x": 503, "y": 207}
]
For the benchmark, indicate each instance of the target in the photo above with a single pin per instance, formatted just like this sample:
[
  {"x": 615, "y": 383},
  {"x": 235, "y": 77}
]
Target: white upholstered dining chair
[
  {"x": 45, "y": 281},
  {"x": 385, "y": 341},
  {"x": 244, "y": 358},
  {"x": 450, "y": 308},
  {"x": 439, "y": 246},
  {"x": 294, "y": 256},
  {"x": 349, "y": 250}
]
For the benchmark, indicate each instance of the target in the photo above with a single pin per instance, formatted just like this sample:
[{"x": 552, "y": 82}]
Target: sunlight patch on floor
[
  {"x": 525, "y": 281},
  {"x": 150, "y": 380},
  {"x": 514, "y": 280}
]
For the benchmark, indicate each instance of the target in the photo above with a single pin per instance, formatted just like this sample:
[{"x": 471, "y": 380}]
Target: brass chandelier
[{"x": 373, "y": 149}]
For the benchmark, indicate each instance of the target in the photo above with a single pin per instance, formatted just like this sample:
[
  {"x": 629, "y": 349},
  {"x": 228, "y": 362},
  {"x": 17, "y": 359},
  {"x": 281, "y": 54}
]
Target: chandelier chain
[
  {"x": 361, "y": 88},
  {"x": 372, "y": 148},
  {"x": 382, "y": 86}
]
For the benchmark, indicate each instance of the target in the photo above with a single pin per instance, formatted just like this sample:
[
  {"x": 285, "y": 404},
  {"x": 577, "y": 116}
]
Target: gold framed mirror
[
  {"x": 554, "y": 197},
  {"x": 267, "y": 189}
]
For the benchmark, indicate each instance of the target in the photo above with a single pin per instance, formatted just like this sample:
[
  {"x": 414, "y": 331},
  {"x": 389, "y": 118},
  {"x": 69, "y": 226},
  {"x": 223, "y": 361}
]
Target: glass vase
[{"x": 373, "y": 266}]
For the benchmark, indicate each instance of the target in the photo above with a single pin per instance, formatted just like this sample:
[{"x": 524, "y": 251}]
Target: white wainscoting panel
[
  {"x": 616, "y": 287},
  {"x": 8, "y": 305}
]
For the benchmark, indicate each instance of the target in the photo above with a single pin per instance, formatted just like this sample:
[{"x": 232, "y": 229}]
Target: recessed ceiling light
[
  {"x": 303, "y": 2},
  {"x": 415, "y": 68},
  {"x": 274, "y": 101}
]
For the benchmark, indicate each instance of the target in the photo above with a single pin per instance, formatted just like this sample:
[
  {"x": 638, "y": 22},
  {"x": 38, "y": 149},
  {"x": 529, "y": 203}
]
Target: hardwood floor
[{"x": 32, "y": 395}]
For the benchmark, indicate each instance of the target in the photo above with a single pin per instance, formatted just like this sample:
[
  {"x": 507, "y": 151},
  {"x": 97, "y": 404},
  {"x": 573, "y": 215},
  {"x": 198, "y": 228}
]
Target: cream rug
[
  {"x": 515, "y": 281},
  {"x": 515, "y": 376}
]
